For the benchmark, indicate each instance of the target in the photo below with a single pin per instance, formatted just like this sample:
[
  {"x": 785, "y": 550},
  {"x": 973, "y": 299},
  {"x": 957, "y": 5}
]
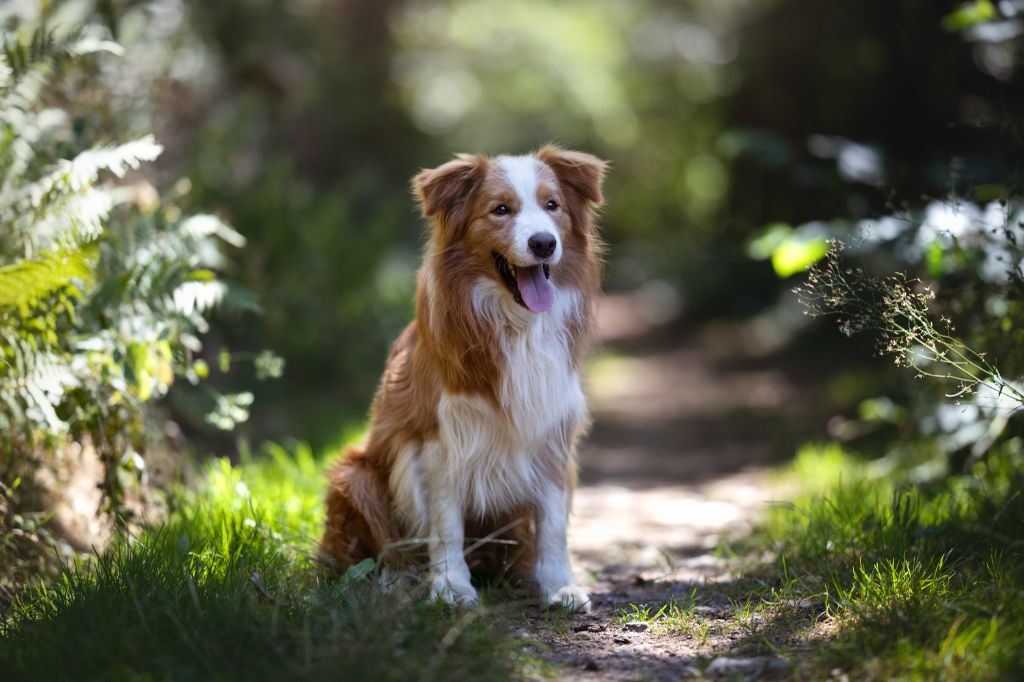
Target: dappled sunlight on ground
[{"x": 612, "y": 519}]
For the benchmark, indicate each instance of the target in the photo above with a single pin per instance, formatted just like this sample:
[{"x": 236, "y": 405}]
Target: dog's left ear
[
  {"x": 443, "y": 190},
  {"x": 580, "y": 172}
]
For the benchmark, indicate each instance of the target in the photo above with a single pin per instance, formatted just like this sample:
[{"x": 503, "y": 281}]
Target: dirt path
[{"x": 684, "y": 431}]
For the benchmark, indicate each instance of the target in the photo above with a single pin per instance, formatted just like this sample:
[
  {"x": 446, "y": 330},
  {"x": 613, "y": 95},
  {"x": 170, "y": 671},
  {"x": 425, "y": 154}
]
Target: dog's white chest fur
[
  {"x": 540, "y": 388},
  {"x": 496, "y": 459},
  {"x": 501, "y": 456}
]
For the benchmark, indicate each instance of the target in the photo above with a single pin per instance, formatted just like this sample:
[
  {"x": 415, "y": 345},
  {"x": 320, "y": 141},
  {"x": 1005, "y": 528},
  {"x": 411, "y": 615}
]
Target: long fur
[{"x": 474, "y": 425}]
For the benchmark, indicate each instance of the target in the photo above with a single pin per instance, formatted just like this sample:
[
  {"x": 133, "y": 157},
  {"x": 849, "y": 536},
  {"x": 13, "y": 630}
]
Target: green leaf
[
  {"x": 767, "y": 240},
  {"x": 358, "y": 572},
  {"x": 202, "y": 276},
  {"x": 935, "y": 259},
  {"x": 28, "y": 281},
  {"x": 968, "y": 15},
  {"x": 141, "y": 367},
  {"x": 788, "y": 250},
  {"x": 796, "y": 255}
]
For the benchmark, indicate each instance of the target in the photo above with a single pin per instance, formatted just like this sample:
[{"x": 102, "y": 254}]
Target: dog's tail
[{"x": 359, "y": 522}]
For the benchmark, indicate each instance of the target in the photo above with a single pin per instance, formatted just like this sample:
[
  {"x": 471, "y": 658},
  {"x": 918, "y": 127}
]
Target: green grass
[
  {"x": 226, "y": 589},
  {"x": 872, "y": 576},
  {"x": 669, "y": 614},
  {"x": 674, "y": 617},
  {"x": 884, "y": 579}
]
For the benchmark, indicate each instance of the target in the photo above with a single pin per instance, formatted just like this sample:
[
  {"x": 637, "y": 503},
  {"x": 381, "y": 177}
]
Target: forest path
[{"x": 686, "y": 425}]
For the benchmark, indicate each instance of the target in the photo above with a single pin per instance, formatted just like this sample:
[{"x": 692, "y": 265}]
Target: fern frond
[
  {"x": 21, "y": 56},
  {"x": 63, "y": 206},
  {"x": 67, "y": 353},
  {"x": 204, "y": 225},
  {"x": 46, "y": 45},
  {"x": 36, "y": 386},
  {"x": 91, "y": 40},
  {"x": 72, "y": 220},
  {"x": 6, "y": 72},
  {"x": 77, "y": 174},
  {"x": 46, "y": 387},
  {"x": 26, "y": 282},
  {"x": 198, "y": 297}
]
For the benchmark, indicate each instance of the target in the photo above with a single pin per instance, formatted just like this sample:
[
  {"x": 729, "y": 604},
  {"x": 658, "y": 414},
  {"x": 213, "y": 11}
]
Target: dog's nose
[{"x": 542, "y": 244}]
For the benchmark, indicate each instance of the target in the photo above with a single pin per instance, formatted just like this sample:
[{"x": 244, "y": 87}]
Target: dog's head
[{"x": 518, "y": 218}]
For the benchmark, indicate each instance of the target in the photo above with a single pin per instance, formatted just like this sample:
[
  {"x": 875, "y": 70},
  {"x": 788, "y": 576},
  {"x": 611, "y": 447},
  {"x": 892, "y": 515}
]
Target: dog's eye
[
  {"x": 500, "y": 209},
  {"x": 552, "y": 205}
]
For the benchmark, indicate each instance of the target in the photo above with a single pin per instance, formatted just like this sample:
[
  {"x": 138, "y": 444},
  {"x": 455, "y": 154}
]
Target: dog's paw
[
  {"x": 454, "y": 591},
  {"x": 571, "y": 598}
]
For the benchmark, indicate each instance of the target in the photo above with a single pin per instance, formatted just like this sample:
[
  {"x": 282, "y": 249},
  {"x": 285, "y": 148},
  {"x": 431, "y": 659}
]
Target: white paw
[
  {"x": 571, "y": 598},
  {"x": 454, "y": 591}
]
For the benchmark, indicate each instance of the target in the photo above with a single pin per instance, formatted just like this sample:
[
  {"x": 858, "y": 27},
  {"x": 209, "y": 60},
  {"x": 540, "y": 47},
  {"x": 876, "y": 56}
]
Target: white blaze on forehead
[{"x": 523, "y": 173}]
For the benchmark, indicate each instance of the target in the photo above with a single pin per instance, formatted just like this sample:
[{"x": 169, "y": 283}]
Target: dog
[{"x": 474, "y": 425}]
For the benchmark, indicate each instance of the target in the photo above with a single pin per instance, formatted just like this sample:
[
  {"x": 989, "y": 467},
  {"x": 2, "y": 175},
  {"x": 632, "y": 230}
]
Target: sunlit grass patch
[
  {"x": 917, "y": 581},
  {"x": 227, "y": 589},
  {"x": 285, "y": 488},
  {"x": 669, "y": 613}
]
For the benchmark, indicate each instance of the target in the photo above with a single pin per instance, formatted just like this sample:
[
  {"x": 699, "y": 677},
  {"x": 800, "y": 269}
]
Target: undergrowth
[
  {"x": 227, "y": 589},
  {"x": 880, "y": 578}
]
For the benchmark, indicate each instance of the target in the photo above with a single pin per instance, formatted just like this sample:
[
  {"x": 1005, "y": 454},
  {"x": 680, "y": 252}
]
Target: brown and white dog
[{"x": 475, "y": 423}]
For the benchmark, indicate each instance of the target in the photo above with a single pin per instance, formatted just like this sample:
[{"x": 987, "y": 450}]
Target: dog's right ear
[{"x": 445, "y": 190}]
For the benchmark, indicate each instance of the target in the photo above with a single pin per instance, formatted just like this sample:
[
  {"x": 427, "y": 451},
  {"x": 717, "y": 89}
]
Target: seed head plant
[{"x": 896, "y": 309}]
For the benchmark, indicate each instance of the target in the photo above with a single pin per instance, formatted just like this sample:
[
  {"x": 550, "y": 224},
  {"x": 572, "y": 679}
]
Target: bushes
[
  {"x": 938, "y": 282},
  {"x": 105, "y": 287},
  {"x": 952, "y": 316}
]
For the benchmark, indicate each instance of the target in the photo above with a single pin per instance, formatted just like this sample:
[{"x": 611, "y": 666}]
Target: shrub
[{"x": 105, "y": 287}]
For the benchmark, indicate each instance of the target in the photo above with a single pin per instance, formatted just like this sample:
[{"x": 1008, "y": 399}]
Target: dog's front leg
[
  {"x": 451, "y": 581},
  {"x": 554, "y": 569}
]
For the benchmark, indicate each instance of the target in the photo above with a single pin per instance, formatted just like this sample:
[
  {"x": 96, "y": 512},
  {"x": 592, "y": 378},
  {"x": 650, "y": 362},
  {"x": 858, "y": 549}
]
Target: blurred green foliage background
[{"x": 300, "y": 122}]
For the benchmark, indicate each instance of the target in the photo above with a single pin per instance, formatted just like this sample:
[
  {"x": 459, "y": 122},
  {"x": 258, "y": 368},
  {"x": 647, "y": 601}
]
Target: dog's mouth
[{"x": 529, "y": 285}]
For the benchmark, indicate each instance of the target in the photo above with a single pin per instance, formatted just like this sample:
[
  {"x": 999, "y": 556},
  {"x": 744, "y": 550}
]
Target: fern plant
[{"x": 104, "y": 289}]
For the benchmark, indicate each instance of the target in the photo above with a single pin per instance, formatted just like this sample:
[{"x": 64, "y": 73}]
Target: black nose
[{"x": 542, "y": 244}]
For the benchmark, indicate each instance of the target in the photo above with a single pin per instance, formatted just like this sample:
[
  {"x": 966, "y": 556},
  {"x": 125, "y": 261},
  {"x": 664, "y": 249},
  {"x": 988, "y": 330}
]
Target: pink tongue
[{"x": 535, "y": 289}]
